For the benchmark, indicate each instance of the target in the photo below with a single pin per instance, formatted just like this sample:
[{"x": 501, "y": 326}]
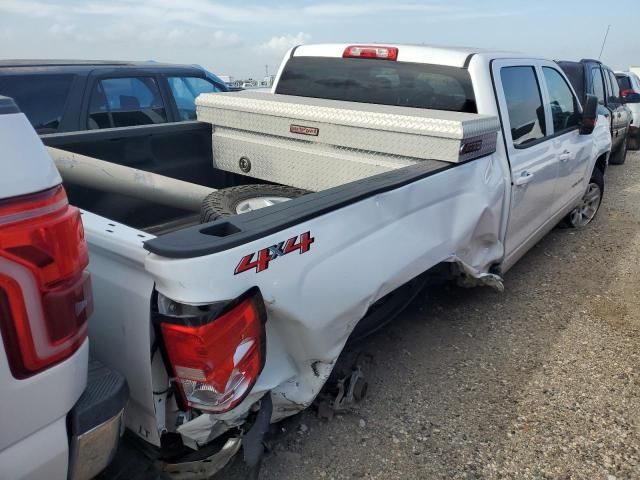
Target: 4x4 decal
[{"x": 267, "y": 255}]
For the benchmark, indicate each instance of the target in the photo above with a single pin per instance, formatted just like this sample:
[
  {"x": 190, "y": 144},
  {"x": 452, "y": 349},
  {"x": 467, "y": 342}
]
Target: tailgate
[{"x": 315, "y": 144}]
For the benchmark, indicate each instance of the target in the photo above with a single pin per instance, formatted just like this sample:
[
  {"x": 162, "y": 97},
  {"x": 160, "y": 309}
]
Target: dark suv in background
[
  {"x": 592, "y": 77},
  {"x": 67, "y": 96},
  {"x": 87, "y": 101}
]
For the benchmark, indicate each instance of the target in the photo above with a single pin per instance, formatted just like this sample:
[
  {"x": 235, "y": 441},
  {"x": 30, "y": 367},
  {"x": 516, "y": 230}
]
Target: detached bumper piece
[{"x": 96, "y": 422}]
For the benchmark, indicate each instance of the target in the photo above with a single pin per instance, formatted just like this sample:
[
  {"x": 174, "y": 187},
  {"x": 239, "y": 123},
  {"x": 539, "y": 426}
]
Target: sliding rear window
[{"x": 417, "y": 85}]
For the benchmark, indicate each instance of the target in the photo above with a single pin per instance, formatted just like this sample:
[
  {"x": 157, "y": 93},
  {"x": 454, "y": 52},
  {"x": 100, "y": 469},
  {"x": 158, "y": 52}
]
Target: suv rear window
[
  {"x": 41, "y": 98},
  {"x": 624, "y": 82},
  {"x": 417, "y": 85}
]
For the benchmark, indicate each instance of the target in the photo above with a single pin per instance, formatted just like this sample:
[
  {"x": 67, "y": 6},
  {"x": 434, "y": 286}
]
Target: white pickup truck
[{"x": 403, "y": 159}]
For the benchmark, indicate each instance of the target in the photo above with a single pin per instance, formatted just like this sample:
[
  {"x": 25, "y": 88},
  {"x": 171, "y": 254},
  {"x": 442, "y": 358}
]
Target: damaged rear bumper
[
  {"x": 204, "y": 468},
  {"x": 252, "y": 442}
]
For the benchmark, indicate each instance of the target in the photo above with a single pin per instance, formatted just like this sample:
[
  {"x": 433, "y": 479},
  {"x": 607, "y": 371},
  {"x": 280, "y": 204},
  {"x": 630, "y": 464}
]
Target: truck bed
[
  {"x": 178, "y": 150},
  {"x": 349, "y": 143}
]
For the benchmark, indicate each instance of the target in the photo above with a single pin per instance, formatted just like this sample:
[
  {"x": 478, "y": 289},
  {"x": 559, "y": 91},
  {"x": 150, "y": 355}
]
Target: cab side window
[
  {"x": 598, "y": 84},
  {"x": 524, "y": 104},
  {"x": 125, "y": 102},
  {"x": 564, "y": 105},
  {"x": 42, "y": 98},
  {"x": 185, "y": 90},
  {"x": 615, "y": 88}
]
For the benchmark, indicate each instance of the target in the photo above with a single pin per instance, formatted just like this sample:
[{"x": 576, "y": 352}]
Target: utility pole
[
  {"x": 266, "y": 70},
  {"x": 604, "y": 41}
]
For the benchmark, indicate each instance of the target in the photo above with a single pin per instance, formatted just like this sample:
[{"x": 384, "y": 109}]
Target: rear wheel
[
  {"x": 589, "y": 205},
  {"x": 634, "y": 141},
  {"x": 621, "y": 155},
  {"x": 245, "y": 198}
]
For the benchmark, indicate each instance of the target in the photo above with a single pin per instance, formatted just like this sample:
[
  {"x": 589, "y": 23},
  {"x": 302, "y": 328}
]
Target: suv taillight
[
  {"x": 216, "y": 352},
  {"x": 45, "y": 294}
]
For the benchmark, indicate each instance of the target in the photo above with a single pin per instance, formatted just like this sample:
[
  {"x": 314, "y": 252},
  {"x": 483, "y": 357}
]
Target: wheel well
[{"x": 601, "y": 162}]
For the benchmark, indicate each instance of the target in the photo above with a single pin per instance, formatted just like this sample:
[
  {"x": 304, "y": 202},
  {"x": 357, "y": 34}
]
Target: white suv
[{"x": 60, "y": 414}]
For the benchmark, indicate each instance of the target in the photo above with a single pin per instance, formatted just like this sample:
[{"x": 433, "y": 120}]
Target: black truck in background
[
  {"x": 592, "y": 77},
  {"x": 80, "y": 106}
]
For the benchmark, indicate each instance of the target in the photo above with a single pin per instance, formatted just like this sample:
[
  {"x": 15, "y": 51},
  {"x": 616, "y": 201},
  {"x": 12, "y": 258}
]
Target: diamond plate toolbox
[{"x": 316, "y": 144}]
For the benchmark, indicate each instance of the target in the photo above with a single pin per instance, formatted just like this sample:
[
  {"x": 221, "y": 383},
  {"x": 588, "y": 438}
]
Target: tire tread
[{"x": 221, "y": 203}]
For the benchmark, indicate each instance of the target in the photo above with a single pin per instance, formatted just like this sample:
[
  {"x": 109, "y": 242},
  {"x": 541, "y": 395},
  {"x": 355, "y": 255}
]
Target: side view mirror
[{"x": 589, "y": 115}]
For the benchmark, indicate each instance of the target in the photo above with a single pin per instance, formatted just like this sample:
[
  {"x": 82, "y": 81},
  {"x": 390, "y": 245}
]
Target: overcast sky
[{"x": 240, "y": 38}]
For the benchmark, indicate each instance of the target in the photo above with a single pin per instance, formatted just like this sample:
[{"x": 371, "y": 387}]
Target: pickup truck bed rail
[{"x": 225, "y": 234}]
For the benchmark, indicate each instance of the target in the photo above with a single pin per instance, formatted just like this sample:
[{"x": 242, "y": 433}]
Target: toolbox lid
[{"x": 438, "y": 123}]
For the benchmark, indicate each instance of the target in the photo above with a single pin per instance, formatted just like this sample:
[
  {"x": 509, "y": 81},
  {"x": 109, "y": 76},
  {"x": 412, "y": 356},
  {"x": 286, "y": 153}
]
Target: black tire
[
  {"x": 223, "y": 203},
  {"x": 571, "y": 221},
  {"x": 621, "y": 155},
  {"x": 634, "y": 141}
]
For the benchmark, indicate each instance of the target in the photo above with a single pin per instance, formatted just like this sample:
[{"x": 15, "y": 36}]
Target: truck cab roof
[
  {"x": 86, "y": 66},
  {"x": 448, "y": 56}
]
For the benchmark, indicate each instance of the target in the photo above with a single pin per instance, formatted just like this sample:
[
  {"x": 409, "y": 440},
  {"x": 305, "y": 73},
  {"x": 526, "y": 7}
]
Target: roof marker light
[{"x": 375, "y": 52}]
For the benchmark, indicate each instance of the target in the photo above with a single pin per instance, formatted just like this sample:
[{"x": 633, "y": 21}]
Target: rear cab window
[
  {"x": 416, "y": 85},
  {"x": 125, "y": 102},
  {"x": 41, "y": 97},
  {"x": 524, "y": 104}
]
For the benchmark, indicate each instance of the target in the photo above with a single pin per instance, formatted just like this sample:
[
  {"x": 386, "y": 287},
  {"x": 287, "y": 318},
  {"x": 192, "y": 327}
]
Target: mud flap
[{"x": 253, "y": 439}]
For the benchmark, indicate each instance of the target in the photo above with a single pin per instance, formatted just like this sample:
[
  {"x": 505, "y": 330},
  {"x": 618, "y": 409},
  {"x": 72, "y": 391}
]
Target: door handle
[
  {"x": 565, "y": 156},
  {"x": 524, "y": 178}
]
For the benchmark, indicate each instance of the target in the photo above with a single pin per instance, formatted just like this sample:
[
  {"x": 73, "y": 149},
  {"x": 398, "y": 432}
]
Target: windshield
[{"x": 382, "y": 82}]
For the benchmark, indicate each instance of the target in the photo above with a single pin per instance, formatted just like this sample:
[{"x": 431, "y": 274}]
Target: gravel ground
[{"x": 541, "y": 381}]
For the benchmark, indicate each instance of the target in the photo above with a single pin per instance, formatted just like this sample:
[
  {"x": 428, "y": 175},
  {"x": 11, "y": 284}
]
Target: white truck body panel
[{"x": 121, "y": 300}]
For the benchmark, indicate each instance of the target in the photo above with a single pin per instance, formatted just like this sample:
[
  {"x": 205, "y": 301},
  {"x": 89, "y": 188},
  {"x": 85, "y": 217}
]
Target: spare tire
[{"x": 245, "y": 198}]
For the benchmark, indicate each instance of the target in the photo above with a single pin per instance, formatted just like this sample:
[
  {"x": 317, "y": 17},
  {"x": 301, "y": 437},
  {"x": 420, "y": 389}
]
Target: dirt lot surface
[{"x": 541, "y": 381}]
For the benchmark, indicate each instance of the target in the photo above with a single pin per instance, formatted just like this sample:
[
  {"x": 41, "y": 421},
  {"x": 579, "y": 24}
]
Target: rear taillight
[
  {"x": 628, "y": 91},
  {"x": 376, "y": 52},
  {"x": 45, "y": 294},
  {"x": 216, "y": 354}
]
